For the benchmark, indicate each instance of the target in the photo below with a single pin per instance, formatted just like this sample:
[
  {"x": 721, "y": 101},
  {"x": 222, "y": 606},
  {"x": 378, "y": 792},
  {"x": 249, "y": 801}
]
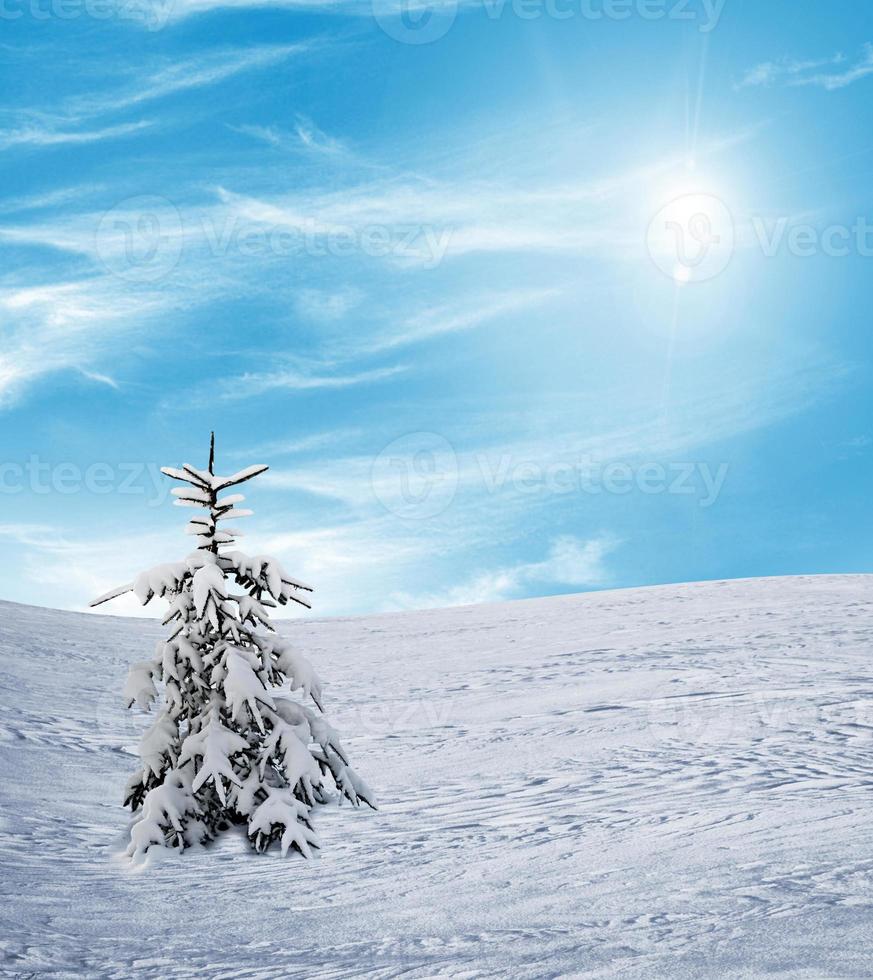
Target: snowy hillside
[{"x": 662, "y": 782}]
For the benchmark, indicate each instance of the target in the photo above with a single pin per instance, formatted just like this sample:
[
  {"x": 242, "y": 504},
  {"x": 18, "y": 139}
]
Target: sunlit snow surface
[{"x": 665, "y": 782}]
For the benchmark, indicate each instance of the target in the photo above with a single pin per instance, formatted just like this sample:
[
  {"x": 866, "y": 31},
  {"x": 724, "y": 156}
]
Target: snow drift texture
[{"x": 670, "y": 782}]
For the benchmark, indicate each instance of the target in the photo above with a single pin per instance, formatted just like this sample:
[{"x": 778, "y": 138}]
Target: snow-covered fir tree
[{"x": 231, "y": 743}]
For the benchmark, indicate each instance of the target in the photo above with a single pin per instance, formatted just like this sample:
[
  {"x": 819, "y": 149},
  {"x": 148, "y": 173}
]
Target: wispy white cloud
[
  {"x": 253, "y": 384},
  {"x": 265, "y": 134},
  {"x": 65, "y": 326},
  {"x": 37, "y": 135},
  {"x": 428, "y": 220},
  {"x": 832, "y": 73},
  {"x": 29, "y": 534},
  {"x": 182, "y": 9},
  {"x": 73, "y": 569},
  {"x": 840, "y": 79},
  {"x": 409, "y": 222},
  {"x": 70, "y": 121},
  {"x": 316, "y": 139},
  {"x": 306, "y": 135},
  {"x": 770, "y": 72},
  {"x": 570, "y": 562},
  {"x": 51, "y": 199},
  {"x": 325, "y": 305},
  {"x": 103, "y": 379},
  {"x": 291, "y": 447},
  {"x": 429, "y": 322},
  {"x": 410, "y": 219},
  {"x": 365, "y": 558},
  {"x": 483, "y": 503},
  {"x": 384, "y": 9},
  {"x": 206, "y": 250},
  {"x": 67, "y": 323},
  {"x": 352, "y": 564},
  {"x": 183, "y": 76},
  {"x": 734, "y": 407},
  {"x": 356, "y": 566}
]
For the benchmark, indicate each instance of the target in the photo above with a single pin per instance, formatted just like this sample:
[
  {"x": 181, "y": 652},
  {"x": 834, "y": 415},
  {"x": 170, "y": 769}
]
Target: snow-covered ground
[{"x": 661, "y": 782}]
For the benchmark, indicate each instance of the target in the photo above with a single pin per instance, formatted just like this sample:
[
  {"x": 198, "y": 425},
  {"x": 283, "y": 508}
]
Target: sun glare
[{"x": 691, "y": 236}]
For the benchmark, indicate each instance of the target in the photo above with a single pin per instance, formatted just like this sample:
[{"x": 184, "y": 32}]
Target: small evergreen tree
[{"x": 231, "y": 744}]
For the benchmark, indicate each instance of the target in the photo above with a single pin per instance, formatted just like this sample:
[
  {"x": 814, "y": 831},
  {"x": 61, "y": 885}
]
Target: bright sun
[{"x": 691, "y": 236}]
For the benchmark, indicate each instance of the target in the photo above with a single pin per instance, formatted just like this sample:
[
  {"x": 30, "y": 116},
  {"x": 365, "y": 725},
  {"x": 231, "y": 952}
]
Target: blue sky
[{"x": 572, "y": 295}]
